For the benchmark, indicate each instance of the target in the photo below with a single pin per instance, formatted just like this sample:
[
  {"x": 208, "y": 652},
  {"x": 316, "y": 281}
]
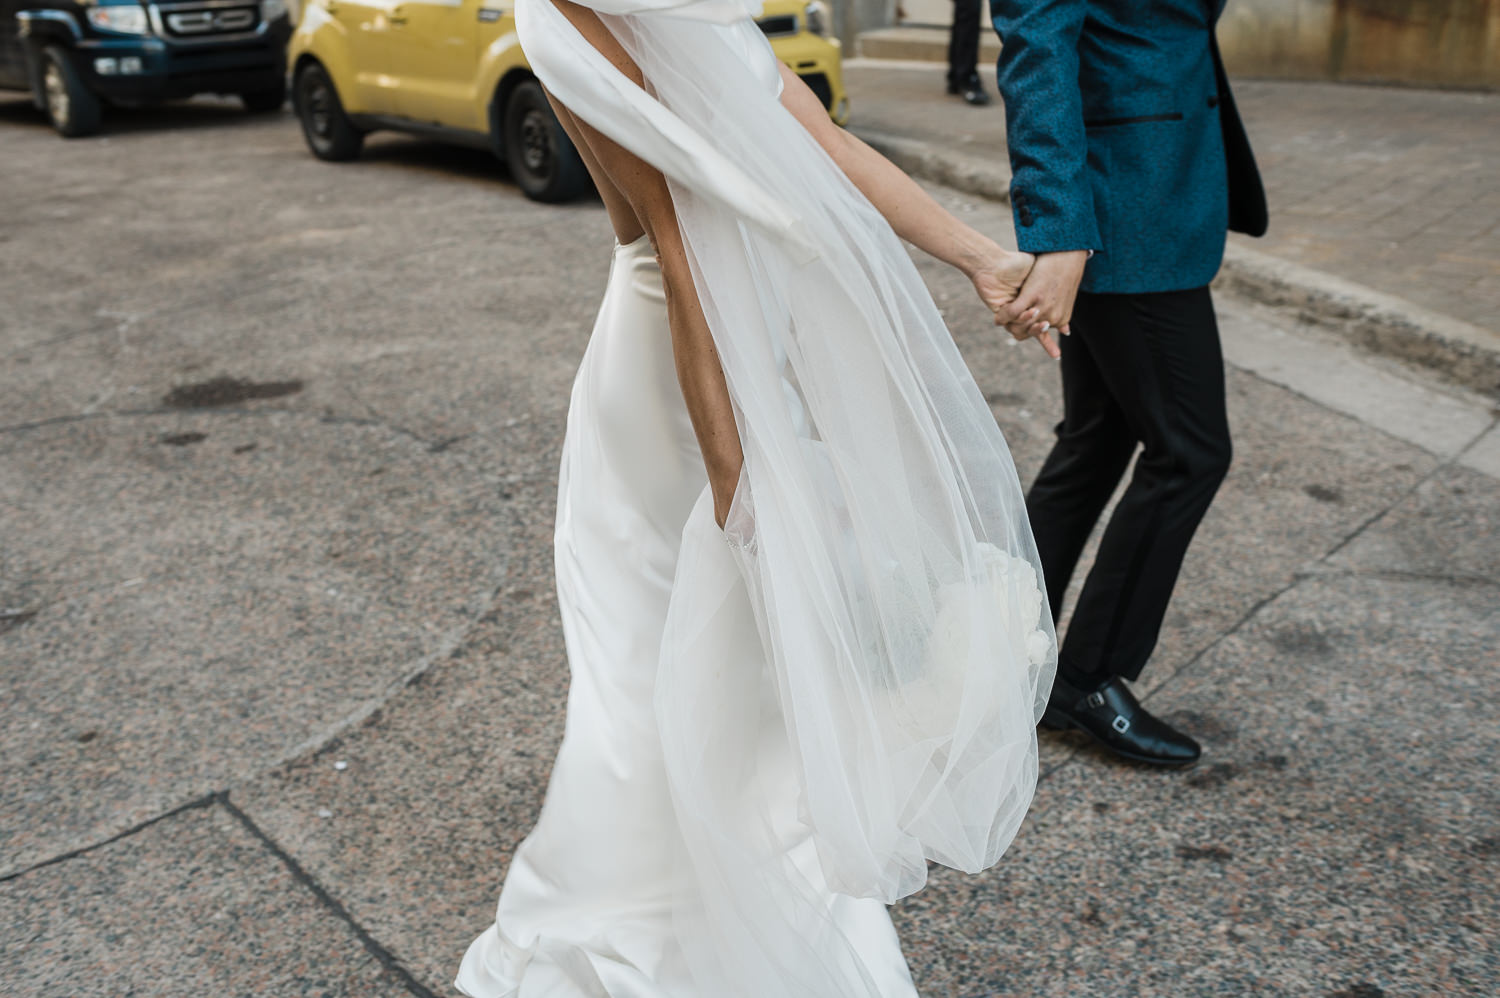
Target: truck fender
[
  {"x": 38, "y": 29},
  {"x": 322, "y": 39},
  {"x": 45, "y": 23},
  {"x": 501, "y": 68}
]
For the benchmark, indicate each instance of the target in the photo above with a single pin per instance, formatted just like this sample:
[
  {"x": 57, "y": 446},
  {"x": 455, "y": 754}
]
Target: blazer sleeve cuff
[
  {"x": 1056, "y": 235},
  {"x": 1048, "y": 221}
]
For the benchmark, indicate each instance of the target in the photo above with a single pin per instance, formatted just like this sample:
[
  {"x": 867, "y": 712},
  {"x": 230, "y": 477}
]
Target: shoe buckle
[
  {"x": 1121, "y": 723},
  {"x": 1095, "y": 699}
]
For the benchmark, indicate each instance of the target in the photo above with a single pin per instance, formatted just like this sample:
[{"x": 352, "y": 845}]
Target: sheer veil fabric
[{"x": 873, "y": 606}]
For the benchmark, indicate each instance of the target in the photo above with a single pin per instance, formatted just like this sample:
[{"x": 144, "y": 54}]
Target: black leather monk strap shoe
[{"x": 1114, "y": 718}]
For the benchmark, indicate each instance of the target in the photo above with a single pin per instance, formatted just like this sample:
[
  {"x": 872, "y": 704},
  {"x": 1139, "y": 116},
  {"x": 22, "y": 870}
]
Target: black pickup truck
[{"x": 76, "y": 56}]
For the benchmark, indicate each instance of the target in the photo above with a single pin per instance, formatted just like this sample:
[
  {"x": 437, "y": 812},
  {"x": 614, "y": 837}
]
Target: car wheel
[
  {"x": 540, "y": 155},
  {"x": 264, "y": 101},
  {"x": 329, "y": 132},
  {"x": 73, "y": 108}
]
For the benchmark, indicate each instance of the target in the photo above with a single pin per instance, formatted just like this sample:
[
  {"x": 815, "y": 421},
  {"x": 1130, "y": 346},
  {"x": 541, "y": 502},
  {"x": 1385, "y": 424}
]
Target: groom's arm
[{"x": 1051, "y": 198}]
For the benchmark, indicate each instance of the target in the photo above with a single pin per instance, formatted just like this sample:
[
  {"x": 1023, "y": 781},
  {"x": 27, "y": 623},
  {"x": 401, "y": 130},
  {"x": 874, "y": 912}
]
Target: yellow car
[{"x": 453, "y": 70}]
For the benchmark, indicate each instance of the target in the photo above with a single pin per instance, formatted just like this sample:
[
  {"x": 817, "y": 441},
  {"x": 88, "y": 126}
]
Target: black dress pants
[
  {"x": 1139, "y": 369},
  {"x": 963, "y": 43}
]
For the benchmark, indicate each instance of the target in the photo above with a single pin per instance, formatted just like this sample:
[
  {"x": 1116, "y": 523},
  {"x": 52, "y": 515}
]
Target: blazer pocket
[{"x": 1139, "y": 119}]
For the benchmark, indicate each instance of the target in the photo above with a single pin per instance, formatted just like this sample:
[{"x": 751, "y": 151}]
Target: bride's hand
[
  {"x": 724, "y": 479},
  {"x": 999, "y": 280},
  {"x": 723, "y": 488}
]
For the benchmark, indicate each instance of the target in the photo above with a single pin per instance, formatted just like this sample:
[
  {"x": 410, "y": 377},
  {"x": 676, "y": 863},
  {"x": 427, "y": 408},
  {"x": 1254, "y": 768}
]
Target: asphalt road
[{"x": 281, "y": 676}]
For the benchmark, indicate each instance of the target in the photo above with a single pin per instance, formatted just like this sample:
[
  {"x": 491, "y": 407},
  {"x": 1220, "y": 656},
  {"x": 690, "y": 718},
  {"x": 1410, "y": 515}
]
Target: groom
[{"x": 1124, "y": 140}]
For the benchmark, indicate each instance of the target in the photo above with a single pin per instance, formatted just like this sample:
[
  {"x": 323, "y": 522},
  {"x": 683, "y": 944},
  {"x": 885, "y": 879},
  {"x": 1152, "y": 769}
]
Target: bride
[{"x": 807, "y": 640}]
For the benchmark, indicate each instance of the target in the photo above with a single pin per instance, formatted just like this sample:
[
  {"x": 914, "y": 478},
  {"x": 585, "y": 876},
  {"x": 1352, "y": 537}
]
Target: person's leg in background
[
  {"x": 963, "y": 53},
  {"x": 1159, "y": 358}
]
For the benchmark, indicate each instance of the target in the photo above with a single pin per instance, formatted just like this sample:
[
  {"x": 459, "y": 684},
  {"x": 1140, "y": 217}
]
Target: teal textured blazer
[{"x": 1124, "y": 138}]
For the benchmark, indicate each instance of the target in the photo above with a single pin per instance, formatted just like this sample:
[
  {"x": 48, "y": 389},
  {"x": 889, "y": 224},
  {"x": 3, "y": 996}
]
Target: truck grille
[{"x": 205, "y": 21}]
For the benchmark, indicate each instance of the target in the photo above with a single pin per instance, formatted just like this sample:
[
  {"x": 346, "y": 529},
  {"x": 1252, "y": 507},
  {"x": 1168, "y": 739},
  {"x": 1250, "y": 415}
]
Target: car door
[
  {"x": 435, "y": 57},
  {"x": 366, "y": 28}
]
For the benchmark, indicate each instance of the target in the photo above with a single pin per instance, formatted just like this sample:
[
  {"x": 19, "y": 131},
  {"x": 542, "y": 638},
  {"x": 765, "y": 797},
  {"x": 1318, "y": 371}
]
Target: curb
[
  {"x": 911, "y": 44},
  {"x": 1463, "y": 353},
  {"x": 970, "y": 174}
]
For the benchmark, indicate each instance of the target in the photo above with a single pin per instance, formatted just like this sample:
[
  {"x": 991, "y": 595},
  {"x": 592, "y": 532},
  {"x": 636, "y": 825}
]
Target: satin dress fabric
[{"x": 588, "y": 904}]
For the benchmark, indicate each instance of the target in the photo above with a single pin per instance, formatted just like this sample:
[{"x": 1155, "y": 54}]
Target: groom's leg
[
  {"x": 1094, "y": 446},
  {"x": 1161, "y": 359}
]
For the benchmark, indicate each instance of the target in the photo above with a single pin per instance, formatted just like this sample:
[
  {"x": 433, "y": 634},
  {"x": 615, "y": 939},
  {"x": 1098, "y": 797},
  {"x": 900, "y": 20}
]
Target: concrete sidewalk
[{"x": 1385, "y": 203}]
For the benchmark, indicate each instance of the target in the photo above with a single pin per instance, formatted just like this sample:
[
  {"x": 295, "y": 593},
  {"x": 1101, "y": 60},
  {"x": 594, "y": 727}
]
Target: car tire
[
  {"x": 74, "y": 109},
  {"x": 540, "y": 155},
  {"x": 329, "y": 132},
  {"x": 264, "y": 101}
]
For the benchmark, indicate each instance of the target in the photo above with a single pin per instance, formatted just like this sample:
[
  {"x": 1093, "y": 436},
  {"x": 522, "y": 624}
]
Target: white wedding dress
[{"x": 771, "y": 728}]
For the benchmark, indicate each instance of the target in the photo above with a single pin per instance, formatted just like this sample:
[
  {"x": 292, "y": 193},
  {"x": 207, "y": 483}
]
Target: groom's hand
[{"x": 1046, "y": 299}]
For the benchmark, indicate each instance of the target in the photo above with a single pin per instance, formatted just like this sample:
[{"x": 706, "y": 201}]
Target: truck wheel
[
  {"x": 73, "y": 108},
  {"x": 329, "y": 132},
  {"x": 264, "y": 101},
  {"x": 540, "y": 155}
]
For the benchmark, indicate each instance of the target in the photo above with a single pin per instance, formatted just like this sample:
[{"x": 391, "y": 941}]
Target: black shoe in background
[
  {"x": 970, "y": 90},
  {"x": 1114, "y": 718}
]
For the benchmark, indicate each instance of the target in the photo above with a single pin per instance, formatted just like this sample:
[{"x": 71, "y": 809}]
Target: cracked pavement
[{"x": 281, "y": 676}]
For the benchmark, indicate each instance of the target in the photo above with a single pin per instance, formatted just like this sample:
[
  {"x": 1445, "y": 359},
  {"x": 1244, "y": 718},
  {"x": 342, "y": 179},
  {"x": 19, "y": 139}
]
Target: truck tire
[
  {"x": 540, "y": 155},
  {"x": 329, "y": 132},
  {"x": 264, "y": 101},
  {"x": 74, "y": 109}
]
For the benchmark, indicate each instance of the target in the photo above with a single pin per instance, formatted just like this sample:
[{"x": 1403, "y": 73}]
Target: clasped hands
[{"x": 1032, "y": 296}]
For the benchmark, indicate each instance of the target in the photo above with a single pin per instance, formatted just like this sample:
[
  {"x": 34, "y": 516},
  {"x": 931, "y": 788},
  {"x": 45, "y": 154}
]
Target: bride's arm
[{"x": 997, "y": 273}]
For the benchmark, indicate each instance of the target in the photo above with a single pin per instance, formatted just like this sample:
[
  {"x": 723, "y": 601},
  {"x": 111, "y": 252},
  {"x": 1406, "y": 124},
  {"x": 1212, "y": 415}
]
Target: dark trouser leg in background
[
  {"x": 963, "y": 45},
  {"x": 1139, "y": 367}
]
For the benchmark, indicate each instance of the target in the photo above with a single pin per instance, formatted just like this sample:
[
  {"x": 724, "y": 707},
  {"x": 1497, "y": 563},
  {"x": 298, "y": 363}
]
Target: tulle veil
[{"x": 879, "y": 559}]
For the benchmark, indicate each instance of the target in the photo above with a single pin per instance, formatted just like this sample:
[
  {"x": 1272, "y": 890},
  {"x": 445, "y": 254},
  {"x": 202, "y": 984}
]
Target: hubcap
[
  {"x": 316, "y": 99},
  {"x": 58, "y": 104},
  {"x": 536, "y": 142}
]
